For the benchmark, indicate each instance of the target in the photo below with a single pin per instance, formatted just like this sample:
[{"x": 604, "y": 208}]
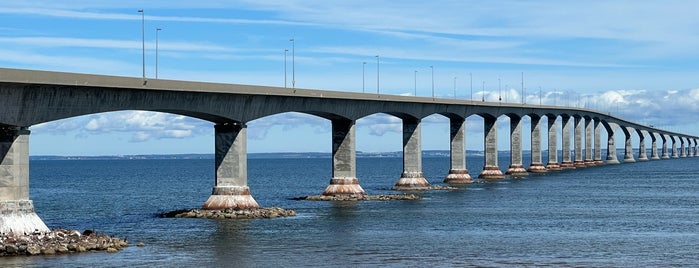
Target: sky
[{"x": 635, "y": 59}]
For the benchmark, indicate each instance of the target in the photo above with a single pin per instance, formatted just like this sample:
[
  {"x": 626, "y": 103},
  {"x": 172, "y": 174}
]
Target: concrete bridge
[{"x": 32, "y": 97}]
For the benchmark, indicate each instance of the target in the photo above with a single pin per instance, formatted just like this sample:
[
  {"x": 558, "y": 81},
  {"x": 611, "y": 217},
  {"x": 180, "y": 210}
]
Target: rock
[
  {"x": 140, "y": 244},
  {"x": 112, "y": 250},
  {"x": 33, "y": 250},
  {"x": 11, "y": 249}
]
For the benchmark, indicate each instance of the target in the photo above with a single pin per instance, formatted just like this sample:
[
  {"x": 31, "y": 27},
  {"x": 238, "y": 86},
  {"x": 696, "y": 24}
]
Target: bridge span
[{"x": 32, "y": 97}]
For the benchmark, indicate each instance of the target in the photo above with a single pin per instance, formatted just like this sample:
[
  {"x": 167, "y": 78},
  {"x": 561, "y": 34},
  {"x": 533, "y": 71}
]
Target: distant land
[{"x": 425, "y": 153}]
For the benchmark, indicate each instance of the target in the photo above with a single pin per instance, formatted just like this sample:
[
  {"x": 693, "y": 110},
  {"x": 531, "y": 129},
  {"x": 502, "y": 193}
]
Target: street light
[
  {"x": 454, "y": 87},
  {"x": 523, "y": 88},
  {"x": 471, "y": 76},
  {"x": 432, "y": 67},
  {"x": 143, "y": 41},
  {"x": 483, "y": 94},
  {"x": 293, "y": 63},
  {"x": 363, "y": 67},
  {"x": 285, "y": 52},
  {"x": 156, "y": 51},
  {"x": 415, "y": 83},
  {"x": 539, "y": 95},
  {"x": 377, "y": 74},
  {"x": 499, "y": 90}
]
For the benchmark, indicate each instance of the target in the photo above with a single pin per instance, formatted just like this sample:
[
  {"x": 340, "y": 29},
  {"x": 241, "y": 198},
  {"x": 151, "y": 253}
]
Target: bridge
[{"x": 32, "y": 97}]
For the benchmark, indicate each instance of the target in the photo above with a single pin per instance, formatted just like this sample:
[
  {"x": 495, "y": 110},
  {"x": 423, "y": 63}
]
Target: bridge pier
[
  {"x": 412, "y": 177},
  {"x": 589, "y": 161},
  {"x": 611, "y": 149},
  {"x": 231, "y": 163},
  {"x": 642, "y": 155},
  {"x": 516, "y": 168},
  {"x": 665, "y": 153},
  {"x": 628, "y": 149},
  {"x": 553, "y": 144},
  {"x": 16, "y": 210},
  {"x": 674, "y": 148},
  {"x": 598, "y": 143},
  {"x": 458, "y": 173},
  {"x": 491, "y": 169},
  {"x": 344, "y": 160},
  {"x": 577, "y": 142},
  {"x": 654, "y": 147},
  {"x": 566, "y": 162},
  {"x": 537, "y": 166},
  {"x": 683, "y": 149}
]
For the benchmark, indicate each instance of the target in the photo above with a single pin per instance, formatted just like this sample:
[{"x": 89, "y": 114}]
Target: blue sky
[{"x": 633, "y": 58}]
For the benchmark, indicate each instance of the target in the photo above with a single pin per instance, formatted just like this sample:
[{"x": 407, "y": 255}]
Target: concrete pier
[
  {"x": 458, "y": 173},
  {"x": 491, "y": 169},
  {"x": 665, "y": 152},
  {"x": 611, "y": 148},
  {"x": 537, "y": 165},
  {"x": 16, "y": 210},
  {"x": 654, "y": 147},
  {"x": 231, "y": 163},
  {"x": 344, "y": 160},
  {"x": 553, "y": 144},
  {"x": 577, "y": 142},
  {"x": 412, "y": 177},
  {"x": 598, "y": 143},
  {"x": 566, "y": 162},
  {"x": 628, "y": 149},
  {"x": 589, "y": 161},
  {"x": 675, "y": 153},
  {"x": 516, "y": 168},
  {"x": 642, "y": 155},
  {"x": 683, "y": 149}
]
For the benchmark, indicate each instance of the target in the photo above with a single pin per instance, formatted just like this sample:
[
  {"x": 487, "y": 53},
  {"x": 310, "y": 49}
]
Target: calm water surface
[{"x": 640, "y": 214}]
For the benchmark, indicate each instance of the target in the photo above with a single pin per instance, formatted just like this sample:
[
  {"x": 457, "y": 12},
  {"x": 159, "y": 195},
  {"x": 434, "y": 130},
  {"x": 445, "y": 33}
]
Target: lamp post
[
  {"x": 363, "y": 67},
  {"x": 522, "y": 87},
  {"x": 432, "y": 67},
  {"x": 285, "y": 52},
  {"x": 499, "y": 90},
  {"x": 471, "y": 76},
  {"x": 377, "y": 74},
  {"x": 415, "y": 83},
  {"x": 293, "y": 63},
  {"x": 483, "y": 94},
  {"x": 454, "y": 87},
  {"x": 156, "y": 51},
  {"x": 143, "y": 41},
  {"x": 539, "y": 95}
]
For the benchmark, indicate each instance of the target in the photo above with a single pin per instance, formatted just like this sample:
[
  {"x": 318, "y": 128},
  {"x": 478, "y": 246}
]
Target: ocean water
[{"x": 629, "y": 215}]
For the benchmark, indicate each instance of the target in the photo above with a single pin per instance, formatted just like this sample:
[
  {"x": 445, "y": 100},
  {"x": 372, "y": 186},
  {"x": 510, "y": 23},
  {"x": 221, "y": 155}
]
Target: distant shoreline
[{"x": 283, "y": 155}]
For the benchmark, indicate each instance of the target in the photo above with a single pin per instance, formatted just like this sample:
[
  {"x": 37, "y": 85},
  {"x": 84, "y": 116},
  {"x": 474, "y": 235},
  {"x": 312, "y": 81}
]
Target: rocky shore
[
  {"x": 59, "y": 241},
  {"x": 360, "y": 197},
  {"x": 258, "y": 213}
]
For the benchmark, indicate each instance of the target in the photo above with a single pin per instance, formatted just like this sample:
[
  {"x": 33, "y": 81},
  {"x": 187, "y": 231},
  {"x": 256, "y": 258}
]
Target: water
[{"x": 640, "y": 214}]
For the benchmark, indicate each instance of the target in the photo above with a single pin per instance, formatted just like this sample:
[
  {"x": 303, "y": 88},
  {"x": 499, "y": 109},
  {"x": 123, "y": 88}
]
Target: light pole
[
  {"x": 522, "y": 87},
  {"x": 377, "y": 74},
  {"x": 483, "y": 94},
  {"x": 285, "y": 52},
  {"x": 539, "y": 95},
  {"x": 143, "y": 41},
  {"x": 363, "y": 67},
  {"x": 454, "y": 87},
  {"x": 432, "y": 67},
  {"x": 499, "y": 90},
  {"x": 293, "y": 63},
  {"x": 415, "y": 83},
  {"x": 471, "y": 76},
  {"x": 156, "y": 51}
]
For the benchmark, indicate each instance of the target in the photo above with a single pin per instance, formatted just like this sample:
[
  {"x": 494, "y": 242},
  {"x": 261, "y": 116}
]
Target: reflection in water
[{"x": 230, "y": 243}]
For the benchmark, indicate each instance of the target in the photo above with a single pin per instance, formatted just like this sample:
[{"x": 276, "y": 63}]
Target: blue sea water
[{"x": 630, "y": 215}]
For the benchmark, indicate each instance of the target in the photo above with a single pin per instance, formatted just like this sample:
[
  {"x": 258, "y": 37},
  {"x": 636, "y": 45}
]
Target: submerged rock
[
  {"x": 256, "y": 213},
  {"x": 59, "y": 241},
  {"x": 360, "y": 197}
]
